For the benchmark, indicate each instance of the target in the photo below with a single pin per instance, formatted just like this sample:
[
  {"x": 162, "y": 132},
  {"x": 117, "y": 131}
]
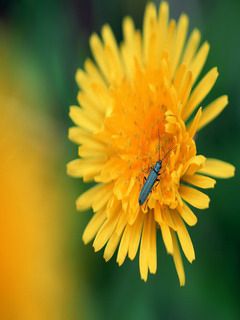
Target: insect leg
[{"x": 156, "y": 184}]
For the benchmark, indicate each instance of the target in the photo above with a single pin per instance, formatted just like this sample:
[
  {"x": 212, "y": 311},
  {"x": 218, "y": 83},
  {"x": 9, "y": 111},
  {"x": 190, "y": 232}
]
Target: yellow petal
[
  {"x": 112, "y": 169},
  {"x": 199, "y": 60},
  {"x": 186, "y": 88},
  {"x": 99, "y": 55},
  {"x": 200, "y": 92},
  {"x": 212, "y": 111},
  {"x": 167, "y": 218},
  {"x": 133, "y": 206},
  {"x": 93, "y": 226},
  {"x": 105, "y": 232},
  {"x": 163, "y": 17},
  {"x": 87, "y": 169},
  {"x": 82, "y": 80},
  {"x": 85, "y": 79},
  {"x": 131, "y": 49},
  {"x": 97, "y": 93},
  {"x": 115, "y": 238},
  {"x": 178, "y": 260},
  {"x": 83, "y": 119},
  {"x": 93, "y": 72},
  {"x": 184, "y": 238},
  {"x": 218, "y": 168},
  {"x": 194, "y": 164},
  {"x": 181, "y": 33},
  {"x": 111, "y": 44},
  {"x": 89, "y": 140},
  {"x": 170, "y": 39},
  {"x": 195, "y": 123},
  {"x": 143, "y": 256},
  {"x": 112, "y": 205},
  {"x": 150, "y": 34},
  {"x": 180, "y": 76},
  {"x": 93, "y": 151},
  {"x": 128, "y": 30},
  {"x": 85, "y": 200},
  {"x": 100, "y": 203},
  {"x": 111, "y": 246},
  {"x": 187, "y": 214},
  {"x": 152, "y": 254},
  {"x": 157, "y": 213},
  {"x": 135, "y": 236},
  {"x": 200, "y": 181},
  {"x": 191, "y": 46},
  {"x": 81, "y": 136},
  {"x": 167, "y": 238},
  {"x": 96, "y": 111},
  {"x": 75, "y": 134},
  {"x": 124, "y": 245},
  {"x": 121, "y": 186},
  {"x": 194, "y": 197}
]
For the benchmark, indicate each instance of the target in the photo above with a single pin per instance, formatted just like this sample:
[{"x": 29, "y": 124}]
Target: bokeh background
[{"x": 45, "y": 270}]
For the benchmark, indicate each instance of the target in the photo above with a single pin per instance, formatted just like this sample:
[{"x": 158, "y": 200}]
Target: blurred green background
[{"x": 42, "y": 43}]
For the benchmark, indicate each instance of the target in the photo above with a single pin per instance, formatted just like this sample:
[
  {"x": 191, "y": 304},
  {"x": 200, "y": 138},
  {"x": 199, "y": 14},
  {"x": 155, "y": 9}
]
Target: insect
[
  {"x": 149, "y": 183},
  {"x": 151, "y": 179}
]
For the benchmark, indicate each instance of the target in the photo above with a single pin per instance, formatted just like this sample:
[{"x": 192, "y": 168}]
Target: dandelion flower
[{"x": 140, "y": 102}]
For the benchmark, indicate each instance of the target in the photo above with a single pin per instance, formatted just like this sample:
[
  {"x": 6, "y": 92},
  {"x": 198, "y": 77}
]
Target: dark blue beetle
[
  {"x": 152, "y": 178},
  {"x": 149, "y": 183}
]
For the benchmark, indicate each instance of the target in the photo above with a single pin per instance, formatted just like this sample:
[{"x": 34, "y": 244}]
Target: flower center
[{"x": 145, "y": 129}]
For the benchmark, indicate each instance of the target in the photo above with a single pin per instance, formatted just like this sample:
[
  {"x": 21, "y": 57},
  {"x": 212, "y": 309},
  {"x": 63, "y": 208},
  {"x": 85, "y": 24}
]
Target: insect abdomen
[{"x": 147, "y": 187}]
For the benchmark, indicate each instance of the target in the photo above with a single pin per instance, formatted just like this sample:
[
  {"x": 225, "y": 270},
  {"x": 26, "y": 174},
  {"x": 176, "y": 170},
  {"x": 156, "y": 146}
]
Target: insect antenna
[
  {"x": 165, "y": 156},
  {"x": 171, "y": 149},
  {"x": 159, "y": 145}
]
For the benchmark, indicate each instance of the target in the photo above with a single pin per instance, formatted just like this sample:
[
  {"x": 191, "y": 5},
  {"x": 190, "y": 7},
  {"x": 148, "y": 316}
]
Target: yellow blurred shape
[
  {"x": 27, "y": 279},
  {"x": 33, "y": 281}
]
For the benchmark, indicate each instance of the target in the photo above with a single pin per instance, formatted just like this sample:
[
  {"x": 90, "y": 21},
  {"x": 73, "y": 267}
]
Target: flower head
[{"x": 139, "y": 104}]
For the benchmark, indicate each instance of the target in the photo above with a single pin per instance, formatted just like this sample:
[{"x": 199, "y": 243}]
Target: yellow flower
[{"x": 138, "y": 105}]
